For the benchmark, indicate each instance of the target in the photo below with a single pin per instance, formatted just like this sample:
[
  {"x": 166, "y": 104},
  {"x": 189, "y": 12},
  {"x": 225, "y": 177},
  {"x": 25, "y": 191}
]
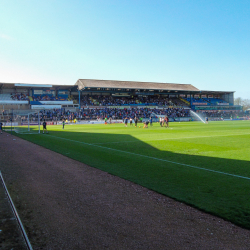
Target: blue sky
[{"x": 204, "y": 43}]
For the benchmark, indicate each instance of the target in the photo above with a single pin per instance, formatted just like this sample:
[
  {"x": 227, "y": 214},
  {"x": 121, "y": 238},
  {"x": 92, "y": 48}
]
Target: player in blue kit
[{"x": 126, "y": 121}]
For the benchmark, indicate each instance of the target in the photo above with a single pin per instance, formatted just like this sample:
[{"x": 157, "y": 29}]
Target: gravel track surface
[
  {"x": 10, "y": 234},
  {"x": 65, "y": 204}
]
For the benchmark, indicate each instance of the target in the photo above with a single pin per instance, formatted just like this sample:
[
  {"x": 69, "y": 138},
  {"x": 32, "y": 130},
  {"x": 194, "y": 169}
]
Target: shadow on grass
[{"x": 172, "y": 174}]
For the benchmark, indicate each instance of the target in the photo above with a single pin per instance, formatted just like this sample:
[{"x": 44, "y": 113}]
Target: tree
[
  {"x": 238, "y": 101},
  {"x": 246, "y": 104},
  {"x": 243, "y": 102}
]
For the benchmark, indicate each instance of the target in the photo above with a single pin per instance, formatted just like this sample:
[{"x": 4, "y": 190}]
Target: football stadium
[
  {"x": 93, "y": 100},
  {"x": 173, "y": 141}
]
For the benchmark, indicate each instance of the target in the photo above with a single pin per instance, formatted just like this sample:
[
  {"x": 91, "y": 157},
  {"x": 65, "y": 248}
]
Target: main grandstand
[{"x": 96, "y": 99}]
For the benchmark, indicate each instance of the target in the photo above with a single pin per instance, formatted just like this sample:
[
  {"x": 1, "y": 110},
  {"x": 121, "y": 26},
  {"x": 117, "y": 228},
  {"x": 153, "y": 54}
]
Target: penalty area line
[{"x": 154, "y": 158}]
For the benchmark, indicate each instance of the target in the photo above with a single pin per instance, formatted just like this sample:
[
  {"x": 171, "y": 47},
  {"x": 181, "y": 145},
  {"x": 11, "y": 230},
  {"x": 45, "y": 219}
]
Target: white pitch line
[
  {"x": 159, "y": 159},
  {"x": 171, "y": 138}
]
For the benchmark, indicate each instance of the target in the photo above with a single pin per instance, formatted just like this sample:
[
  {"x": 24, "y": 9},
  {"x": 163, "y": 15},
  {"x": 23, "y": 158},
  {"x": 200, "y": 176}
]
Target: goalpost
[{"x": 26, "y": 122}]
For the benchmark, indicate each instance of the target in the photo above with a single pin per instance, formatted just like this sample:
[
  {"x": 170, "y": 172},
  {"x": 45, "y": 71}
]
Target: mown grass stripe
[
  {"x": 154, "y": 158},
  {"x": 178, "y": 138}
]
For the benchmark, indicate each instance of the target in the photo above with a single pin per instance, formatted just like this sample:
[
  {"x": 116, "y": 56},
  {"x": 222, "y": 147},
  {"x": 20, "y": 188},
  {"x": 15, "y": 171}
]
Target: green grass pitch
[{"x": 204, "y": 165}]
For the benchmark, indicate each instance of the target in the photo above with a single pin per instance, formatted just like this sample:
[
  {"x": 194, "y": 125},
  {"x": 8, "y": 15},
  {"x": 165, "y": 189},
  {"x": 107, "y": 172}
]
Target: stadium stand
[
  {"x": 132, "y": 101},
  {"x": 13, "y": 99},
  {"x": 97, "y": 99}
]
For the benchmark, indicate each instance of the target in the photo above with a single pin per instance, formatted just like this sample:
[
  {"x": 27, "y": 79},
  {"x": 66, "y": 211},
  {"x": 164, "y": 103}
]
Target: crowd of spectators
[
  {"x": 43, "y": 98},
  {"x": 19, "y": 97},
  {"x": 140, "y": 113},
  {"x": 195, "y": 99},
  {"x": 131, "y": 100},
  {"x": 25, "y": 97},
  {"x": 114, "y": 113},
  {"x": 101, "y": 107}
]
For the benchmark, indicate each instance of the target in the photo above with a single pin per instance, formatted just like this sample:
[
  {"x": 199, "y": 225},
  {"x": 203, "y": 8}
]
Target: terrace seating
[
  {"x": 130, "y": 101},
  {"x": 5, "y": 97},
  {"x": 19, "y": 97},
  {"x": 16, "y": 98},
  {"x": 215, "y": 101},
  {"x": 197, "y": 101},
  {"x": 49, "y": 98}
]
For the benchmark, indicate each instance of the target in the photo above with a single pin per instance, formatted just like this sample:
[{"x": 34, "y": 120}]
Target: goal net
[{"x": 26, "y": 122}]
